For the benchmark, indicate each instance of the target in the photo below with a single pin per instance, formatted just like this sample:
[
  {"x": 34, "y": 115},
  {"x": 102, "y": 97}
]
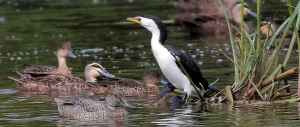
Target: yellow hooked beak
[{"x": 137, "y": 20}]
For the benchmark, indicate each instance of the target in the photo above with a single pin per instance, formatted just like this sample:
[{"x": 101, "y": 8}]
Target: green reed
[{"x": 252, "y": 63}]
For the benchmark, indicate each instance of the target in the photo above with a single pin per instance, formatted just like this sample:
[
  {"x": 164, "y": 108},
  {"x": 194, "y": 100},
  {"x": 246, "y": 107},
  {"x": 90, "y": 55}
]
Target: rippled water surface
[{"x": 31, "y": 30}]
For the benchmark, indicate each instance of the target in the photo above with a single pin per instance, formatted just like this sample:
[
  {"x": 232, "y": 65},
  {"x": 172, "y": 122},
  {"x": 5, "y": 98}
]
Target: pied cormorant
[{"x": 166, "y": 61}]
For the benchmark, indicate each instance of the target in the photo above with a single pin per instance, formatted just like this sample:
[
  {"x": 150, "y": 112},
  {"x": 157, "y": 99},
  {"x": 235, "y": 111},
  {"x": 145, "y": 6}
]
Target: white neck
[{"x": 155, "y": 39}]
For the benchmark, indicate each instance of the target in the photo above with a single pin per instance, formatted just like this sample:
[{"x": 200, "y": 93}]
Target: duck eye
[{"x": 139, "y": 19}]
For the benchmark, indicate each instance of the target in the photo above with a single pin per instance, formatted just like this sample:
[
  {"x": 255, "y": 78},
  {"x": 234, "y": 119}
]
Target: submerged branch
[
  {"x": 279, "y": 77},
  {"x": 257, "y": 103}
]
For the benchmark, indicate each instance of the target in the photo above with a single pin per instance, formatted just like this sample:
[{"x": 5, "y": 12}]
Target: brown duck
[
  {"x": 268, "y": 29},
  {"x": 46, "y": 80},
  {"x": 205, "y": 18},
  {"x": 129, "y": 87},
  {"x": 63, "y": 51}
]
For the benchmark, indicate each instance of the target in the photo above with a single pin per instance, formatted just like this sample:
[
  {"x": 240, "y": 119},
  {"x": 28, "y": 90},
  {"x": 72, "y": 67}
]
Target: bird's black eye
[{"x": 139, "y": 19}]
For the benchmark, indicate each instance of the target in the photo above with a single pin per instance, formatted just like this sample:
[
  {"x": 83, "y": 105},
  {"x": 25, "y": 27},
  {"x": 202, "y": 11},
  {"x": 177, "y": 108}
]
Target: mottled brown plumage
[
  {"x": 62, "y": 52},
  {"x": 85, "y": 108},
  {"x": 43, "y": 78},
  {"x": 129, "y": 87},
  {"x": 52, "y": 82},
  {"x": 39, "y": 69},
  {"x": 65, "y": 82}
]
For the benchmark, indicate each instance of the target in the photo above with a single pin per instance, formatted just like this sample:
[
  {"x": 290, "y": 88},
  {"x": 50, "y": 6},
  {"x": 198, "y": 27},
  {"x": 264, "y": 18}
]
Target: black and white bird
[{"x": 166, "y": 61}]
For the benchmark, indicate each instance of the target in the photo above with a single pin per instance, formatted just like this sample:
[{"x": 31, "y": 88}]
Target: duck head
[
  {"x": 152, "y": 77},
  {"x": 94, "y": 70},
  {"x": 64, "y": 50},
  {"x": 115, "y": 99},
  {"x": 236, "y": 11},
  {"x": 268, "y": 28}
]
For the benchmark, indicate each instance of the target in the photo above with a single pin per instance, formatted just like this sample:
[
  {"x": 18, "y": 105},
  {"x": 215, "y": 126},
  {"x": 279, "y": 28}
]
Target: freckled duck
[
  {"x": 129, "y": 87},
  {"x": 60, "y": 82},
  {"x": 85, "y": 108},
  {"x": 63, "y": 51}
]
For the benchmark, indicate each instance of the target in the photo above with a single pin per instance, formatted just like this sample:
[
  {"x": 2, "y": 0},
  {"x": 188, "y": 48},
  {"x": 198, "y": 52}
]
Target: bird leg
[{"x": 185, "y": 97}]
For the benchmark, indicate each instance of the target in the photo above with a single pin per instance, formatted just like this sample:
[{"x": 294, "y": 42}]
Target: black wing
[{"x": 190, "y": 66}]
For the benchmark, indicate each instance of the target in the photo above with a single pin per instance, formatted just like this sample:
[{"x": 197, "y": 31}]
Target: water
[{"x": 31, "y": 30}]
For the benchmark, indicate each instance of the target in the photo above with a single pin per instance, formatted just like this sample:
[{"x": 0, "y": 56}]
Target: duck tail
[
  {"x": 23, "y": 75},
  {"x": 58, "y": 101},
  {"x": 60, "y": 106},
  {"x": 19, "y": 72},
  {"x": 26, "y": 65},
  {"x": 17, "y": 81}
]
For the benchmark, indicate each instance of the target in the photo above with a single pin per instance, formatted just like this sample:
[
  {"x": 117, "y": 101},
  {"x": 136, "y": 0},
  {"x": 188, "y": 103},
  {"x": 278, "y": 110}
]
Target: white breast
[{"x": 169, "y": 67}]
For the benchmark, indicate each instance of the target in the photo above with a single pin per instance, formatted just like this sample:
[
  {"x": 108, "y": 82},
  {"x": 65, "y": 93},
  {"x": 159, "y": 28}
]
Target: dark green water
[{"x": 31, "y": 30}]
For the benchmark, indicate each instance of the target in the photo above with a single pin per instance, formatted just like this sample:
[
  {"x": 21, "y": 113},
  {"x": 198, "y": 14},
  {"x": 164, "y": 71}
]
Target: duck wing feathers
[{"x": 57, "y": 82}]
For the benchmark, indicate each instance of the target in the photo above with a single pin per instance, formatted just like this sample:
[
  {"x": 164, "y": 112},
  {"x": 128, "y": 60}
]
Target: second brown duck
[
  {"x": 129, "y": 87},
  {"x": 205, "y": 18}
]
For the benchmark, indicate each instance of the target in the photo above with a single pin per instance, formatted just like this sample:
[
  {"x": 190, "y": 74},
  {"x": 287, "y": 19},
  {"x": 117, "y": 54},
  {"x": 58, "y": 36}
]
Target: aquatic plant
[{"x": 258, "y": 70}]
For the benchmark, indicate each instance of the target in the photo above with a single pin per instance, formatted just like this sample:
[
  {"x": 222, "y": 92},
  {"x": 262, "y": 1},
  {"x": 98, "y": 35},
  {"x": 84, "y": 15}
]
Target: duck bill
[
  {"x": 212, "y": 88},
  {"x": 71, "y": 55},
  {"x": 134, "y": 20},
  {"x": 106, "y": 74},
  {"x": 253, "y": 34},
  {"x": 126, "y": 104},
  {"x": 252, "y": 14},
  {"x": 164, "y": 82}
]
